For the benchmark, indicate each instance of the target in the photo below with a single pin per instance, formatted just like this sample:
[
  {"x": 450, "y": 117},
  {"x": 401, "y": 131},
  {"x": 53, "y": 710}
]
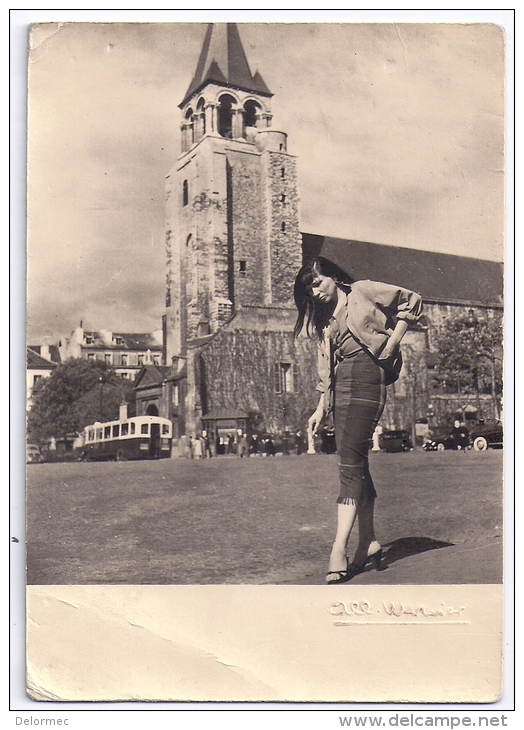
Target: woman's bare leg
[
  {"x": 346, "y": 515},
  {"x": 367, "y": 542}
]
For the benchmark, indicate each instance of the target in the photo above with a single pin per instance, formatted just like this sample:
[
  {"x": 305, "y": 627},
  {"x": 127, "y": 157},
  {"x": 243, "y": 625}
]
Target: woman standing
[{"x": 359, "y": 326}]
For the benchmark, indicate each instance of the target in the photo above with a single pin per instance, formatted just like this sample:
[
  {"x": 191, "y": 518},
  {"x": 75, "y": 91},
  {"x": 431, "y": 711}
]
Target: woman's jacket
[{"x": 372, "y": 310}]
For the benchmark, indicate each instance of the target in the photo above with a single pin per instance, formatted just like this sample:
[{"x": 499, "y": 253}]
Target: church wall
[
  {"x": 239, "y": 368},
  {"x": 246, "y": 222},
  {"x": 285, "y": 240}
]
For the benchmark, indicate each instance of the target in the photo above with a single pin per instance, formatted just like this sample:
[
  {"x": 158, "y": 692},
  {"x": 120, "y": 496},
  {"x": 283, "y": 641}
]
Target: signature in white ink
[
  {"x": 355, "y": 608},
  {"x": 399, "y": 609},
  {"x": 395, "y": 610}
]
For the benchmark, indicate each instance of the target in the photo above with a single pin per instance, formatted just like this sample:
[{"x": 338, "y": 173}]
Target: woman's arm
[
  {"x": 394, "y": 339},
  {"x": 316, "y": 419}
]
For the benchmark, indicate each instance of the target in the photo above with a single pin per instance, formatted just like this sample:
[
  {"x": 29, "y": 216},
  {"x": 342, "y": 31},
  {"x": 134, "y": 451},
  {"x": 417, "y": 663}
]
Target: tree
[
  {"x": 77, "y": 393},
  {"x": 469, "y": 355}
]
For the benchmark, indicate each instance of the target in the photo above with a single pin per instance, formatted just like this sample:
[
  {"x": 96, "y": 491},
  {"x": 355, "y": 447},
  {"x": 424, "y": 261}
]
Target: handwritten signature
[{"x": 396, "y": 610}]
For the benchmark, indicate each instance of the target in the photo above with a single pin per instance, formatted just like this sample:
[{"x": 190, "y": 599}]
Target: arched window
[
  {"x": 225, "y": 116},
  {"x": 201, "y": 119},
  {"x": 190, "y": 126},
  {"x": 185, "y": 193},
  {"x": 250, "y": 116}
]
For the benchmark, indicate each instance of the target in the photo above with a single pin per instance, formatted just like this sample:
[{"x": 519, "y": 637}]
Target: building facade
[
  {"x": 125, "y": 353},
  {"x": 41, "y": 360},
  {"x": 233, "y": 250}
]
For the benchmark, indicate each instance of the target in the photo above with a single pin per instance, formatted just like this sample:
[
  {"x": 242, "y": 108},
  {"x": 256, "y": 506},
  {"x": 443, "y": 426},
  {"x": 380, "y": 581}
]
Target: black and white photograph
[{"x": 265, "y": 331}]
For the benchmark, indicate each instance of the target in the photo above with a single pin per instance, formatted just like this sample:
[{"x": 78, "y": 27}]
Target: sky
[{"x": 397, "y": 129}]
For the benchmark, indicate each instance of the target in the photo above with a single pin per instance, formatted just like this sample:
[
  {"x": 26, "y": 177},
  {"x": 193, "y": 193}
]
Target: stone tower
[{"x": 232, "y": 208}]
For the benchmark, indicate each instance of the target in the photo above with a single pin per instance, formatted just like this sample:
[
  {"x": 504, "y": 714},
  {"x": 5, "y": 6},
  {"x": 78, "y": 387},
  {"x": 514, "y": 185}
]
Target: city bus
[{"x": 140, "y": 437}]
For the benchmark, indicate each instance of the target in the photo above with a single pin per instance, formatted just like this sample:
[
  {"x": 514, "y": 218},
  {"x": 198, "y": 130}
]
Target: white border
[{"x": 18, "y": 24}]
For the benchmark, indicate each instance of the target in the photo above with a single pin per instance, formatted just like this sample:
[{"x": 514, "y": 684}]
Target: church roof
[
  {"x": 223, "y": 61},
  {"x": 151, "y": 375},
  {"x": 435, "y": 276}
]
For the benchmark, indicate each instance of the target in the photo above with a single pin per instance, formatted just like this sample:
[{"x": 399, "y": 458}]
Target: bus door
[{"x": 154, "y": 441}]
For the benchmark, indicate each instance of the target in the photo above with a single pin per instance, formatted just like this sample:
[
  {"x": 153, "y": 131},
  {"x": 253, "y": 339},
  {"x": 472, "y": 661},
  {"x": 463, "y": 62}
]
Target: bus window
[
  {"x": 125, "y": 429},
  {"x": 116, "y": 430},
  {"x": 144, "y": 428},
  {"x": 91, "y": 434},
  {"x": 165, "y": 428},
  {"x": 99, "y": 433},
  {"x": 132, "y": 428},
  {"x": 107, "y": 432}
]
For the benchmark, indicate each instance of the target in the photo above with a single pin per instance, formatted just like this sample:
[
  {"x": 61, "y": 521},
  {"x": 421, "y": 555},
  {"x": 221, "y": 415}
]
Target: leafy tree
[
  {"x": 469, "y": 354},
  {"x": 77, "y": 393}
]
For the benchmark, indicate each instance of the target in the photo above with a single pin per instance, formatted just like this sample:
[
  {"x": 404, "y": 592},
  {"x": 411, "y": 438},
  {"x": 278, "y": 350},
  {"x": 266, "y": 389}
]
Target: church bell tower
[{"x": 232, "y": 235}]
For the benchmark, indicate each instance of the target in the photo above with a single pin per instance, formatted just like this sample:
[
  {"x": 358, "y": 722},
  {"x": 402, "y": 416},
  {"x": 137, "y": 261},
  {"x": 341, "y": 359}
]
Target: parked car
[
  {"x": 395, "y": 441},
  {"x": 441, "y": 439},
  {"x": 33, "y": 455},
  {"x": 487, "y": 434}
]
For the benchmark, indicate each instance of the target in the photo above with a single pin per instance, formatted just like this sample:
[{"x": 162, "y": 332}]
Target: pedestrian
[
  {"x": 230, "y": 444},
  {"x": 206, "y": 446},
  {"x": 359, "y": 326},
  {"x": 189, "y": 453},
  {"x": 242, "y": 446},
  {"x": 253, "y": 447},
  {"x": 299, "y": 442},
  {"x": 460, "y": 436},
  {"x": 270, "y": 446},
  {"x": 197, "y": 448}
]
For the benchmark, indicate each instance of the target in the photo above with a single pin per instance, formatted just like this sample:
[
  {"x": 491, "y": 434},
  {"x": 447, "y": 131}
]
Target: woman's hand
[
  {"x": 316, "y": 419},
  {"x": 388, "y": 353}
]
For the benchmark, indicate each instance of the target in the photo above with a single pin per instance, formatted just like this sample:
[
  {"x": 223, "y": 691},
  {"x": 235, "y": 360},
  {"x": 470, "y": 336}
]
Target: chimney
[
  {"x": 122, "y": 416},
  {"x": 44, "y": 352}
]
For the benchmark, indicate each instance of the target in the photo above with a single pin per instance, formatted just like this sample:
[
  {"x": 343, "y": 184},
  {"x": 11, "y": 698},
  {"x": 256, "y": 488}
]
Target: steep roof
[
  {"x": 151, "y": 374},
  {"x": 36, "y": 362},
  {"x": 223, "y": 61},
  {"x": 128, "y": 341},
  {"x": 435, "y": 276},
  {"x": 54, "y": 353}
]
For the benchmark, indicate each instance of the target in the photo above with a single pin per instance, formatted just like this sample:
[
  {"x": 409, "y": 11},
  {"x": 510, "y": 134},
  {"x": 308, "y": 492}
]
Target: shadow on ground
[{"x": 405, "y": 547}]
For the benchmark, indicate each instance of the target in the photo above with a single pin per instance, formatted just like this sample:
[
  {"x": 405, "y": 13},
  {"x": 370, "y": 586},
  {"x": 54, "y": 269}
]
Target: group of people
[{"x": 199, "y": 447}]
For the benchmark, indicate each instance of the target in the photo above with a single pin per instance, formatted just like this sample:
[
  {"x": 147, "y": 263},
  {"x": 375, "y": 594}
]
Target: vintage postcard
[{"x": 237, "y": 490}]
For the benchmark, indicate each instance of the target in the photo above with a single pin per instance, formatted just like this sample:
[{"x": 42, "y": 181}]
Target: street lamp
[
  {"x": 473, "y": 321},
  {"x": 101, "y": 382}
]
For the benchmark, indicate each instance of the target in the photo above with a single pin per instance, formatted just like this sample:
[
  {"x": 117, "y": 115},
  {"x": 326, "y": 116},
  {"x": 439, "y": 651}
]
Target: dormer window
[
  {"x": 90, "y": 340},
  {"x": 118, "y": 340}
]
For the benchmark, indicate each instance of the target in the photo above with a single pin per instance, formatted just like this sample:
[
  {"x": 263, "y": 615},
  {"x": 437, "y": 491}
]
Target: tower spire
[{"x": 223, "y": 61}]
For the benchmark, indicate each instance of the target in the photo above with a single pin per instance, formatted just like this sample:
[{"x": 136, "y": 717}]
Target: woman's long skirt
[{"x": 360, "y": 396}]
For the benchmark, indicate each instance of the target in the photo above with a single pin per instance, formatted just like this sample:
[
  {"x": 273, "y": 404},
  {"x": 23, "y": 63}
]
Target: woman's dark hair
[{"x": 316, "y": 314}]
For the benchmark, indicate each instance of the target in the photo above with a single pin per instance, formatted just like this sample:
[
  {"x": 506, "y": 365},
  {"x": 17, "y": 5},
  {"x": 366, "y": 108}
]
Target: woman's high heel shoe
[{"x": 375, "y": 558}]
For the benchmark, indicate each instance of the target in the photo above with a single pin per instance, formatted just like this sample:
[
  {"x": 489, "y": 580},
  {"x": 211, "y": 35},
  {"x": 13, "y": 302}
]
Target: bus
[{"x": 140, "y": 437}]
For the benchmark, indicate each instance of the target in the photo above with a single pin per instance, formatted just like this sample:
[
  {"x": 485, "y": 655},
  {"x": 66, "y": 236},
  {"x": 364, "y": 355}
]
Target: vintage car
[
  {"x": 33, "y": 455},
  {"x": 441, "y": 439},
  {"x": 487, "y": 434},
  {"x": 395, "y": 441}
]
